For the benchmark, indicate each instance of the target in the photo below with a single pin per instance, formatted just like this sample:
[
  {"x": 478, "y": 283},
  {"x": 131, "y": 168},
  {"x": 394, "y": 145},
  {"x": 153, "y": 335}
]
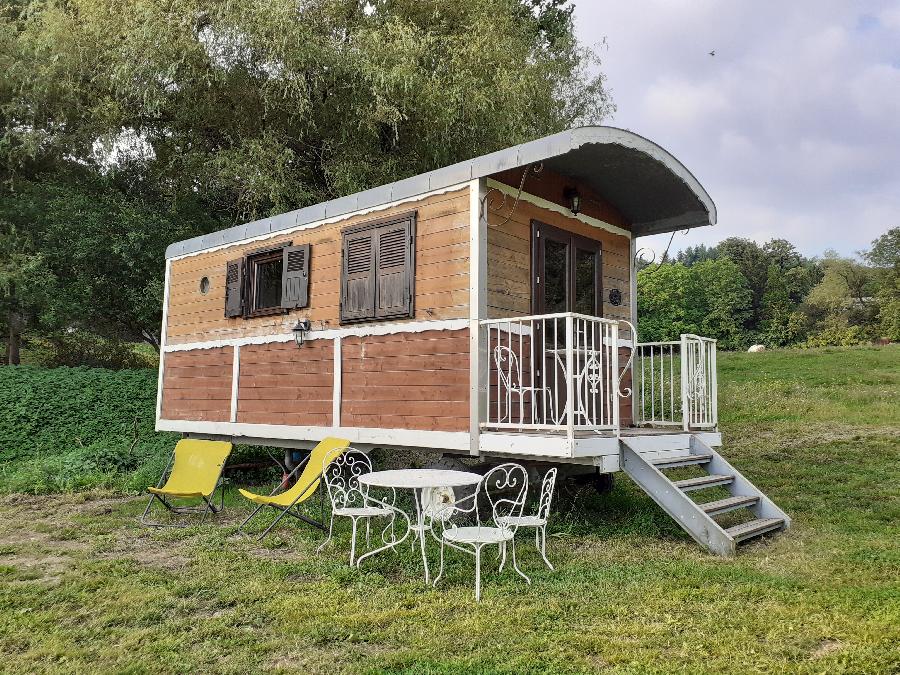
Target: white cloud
[{"x": 793, "y": 126}]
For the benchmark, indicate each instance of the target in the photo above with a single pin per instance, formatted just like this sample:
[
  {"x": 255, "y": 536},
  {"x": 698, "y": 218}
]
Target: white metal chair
[
  {"x": 503, "y": 489},
  {"x": 350, "y": 498},
  {"x": 539, "y": 520},
  {"x": 509, "y": 371}
]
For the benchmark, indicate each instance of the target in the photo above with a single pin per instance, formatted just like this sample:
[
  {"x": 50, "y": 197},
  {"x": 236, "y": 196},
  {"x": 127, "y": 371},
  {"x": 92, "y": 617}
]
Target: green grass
[{"x": 83, "y": 588}]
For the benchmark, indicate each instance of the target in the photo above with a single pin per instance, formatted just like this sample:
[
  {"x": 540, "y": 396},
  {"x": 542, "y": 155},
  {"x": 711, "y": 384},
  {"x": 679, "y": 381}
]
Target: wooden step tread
[
  {"x": 711, "y": 480},
  {"x": 684, "y": 460},
  {"x": 728, "y": 504},
  {"x": 754, "y": 528}
]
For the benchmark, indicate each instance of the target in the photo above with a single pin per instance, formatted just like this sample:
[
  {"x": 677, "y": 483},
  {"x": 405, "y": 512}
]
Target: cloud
[{"x": 793, "y": 126}]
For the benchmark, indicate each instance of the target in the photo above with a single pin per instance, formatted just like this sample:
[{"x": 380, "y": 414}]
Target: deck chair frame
[
  {"x": 289, "y": 510},
  {"x": 172, "y": 508}
]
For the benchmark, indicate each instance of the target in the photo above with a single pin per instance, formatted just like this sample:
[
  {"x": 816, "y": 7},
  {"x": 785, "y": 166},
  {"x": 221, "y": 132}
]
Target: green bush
[
  {"x": 65, "y": 429},
  {"x": 80, "y": 348}
]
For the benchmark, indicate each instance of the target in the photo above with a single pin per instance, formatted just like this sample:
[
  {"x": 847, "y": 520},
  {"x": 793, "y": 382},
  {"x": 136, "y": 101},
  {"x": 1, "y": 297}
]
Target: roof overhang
[{"x": 652, "y": 189}]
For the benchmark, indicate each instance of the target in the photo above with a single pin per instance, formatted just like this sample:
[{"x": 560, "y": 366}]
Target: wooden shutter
[
  {"x": 234, "y": 288},
  {"x": 358, "y": 275},
  {"x": 295, "y": 277},
  {"x": 395, "y": 269}
]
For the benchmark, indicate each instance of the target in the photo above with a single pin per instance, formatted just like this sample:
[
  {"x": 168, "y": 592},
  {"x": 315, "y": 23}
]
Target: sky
[{"x": 793, "y": 127}]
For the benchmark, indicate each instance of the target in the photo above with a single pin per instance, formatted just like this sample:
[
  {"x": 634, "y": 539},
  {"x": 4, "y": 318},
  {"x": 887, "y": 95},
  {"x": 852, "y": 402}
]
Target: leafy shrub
[
  {"x": 80, "y": 348},
  {"x": 77, "y": 428},
  {"x": 837, "y": 332}
]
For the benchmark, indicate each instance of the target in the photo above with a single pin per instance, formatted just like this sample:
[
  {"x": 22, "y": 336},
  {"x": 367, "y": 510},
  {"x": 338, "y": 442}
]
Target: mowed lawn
[{"x": 84, "y": 588}]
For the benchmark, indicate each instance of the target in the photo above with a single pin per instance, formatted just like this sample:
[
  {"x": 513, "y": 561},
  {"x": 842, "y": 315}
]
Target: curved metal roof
[{"x": 651, "y": 188}]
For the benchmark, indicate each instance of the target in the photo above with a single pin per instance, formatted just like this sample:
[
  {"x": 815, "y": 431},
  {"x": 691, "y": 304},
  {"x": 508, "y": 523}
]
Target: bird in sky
[{"x": 712, "y": 53}]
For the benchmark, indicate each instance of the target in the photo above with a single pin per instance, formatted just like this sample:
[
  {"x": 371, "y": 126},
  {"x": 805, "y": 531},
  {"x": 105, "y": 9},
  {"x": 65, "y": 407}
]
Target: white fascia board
[
  {"x": 448, "y": 440},
  {"x": 328, "y": 334},
  {"x": 556, "y": 208}
]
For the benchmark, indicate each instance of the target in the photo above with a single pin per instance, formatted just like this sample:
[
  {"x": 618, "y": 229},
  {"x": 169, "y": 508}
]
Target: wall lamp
[
  {"x": 300, "y": 329},
  {"x": 574, "y": 200}
]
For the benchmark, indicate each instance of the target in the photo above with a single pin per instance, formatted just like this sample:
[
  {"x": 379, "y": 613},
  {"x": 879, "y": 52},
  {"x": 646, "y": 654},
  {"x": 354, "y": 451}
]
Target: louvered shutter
[
  {"x": 295, "y": 277},
  {"x": 395, "y": 269},
  {"x": 358, "y": 276},
  {"x": 234, "y": 288}
]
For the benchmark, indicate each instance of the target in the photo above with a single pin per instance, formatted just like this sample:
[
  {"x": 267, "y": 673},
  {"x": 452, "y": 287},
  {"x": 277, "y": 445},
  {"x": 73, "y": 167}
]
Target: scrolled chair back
[
  {"x": 548, "y": 486},
  {"x": 507, "y": 363},
  {"x": 341, "y": 469},
  {"x": 504, "y": 489}
]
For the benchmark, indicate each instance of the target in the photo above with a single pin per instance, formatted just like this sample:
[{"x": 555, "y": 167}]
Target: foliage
[
  {"x": 816, "y": 430},
  {"x": 83, "y": 348}
]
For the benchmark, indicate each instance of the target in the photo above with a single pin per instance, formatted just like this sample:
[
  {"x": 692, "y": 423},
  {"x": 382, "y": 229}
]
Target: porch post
[
  {"x": 478, "y": 381},
  {"x": 685, "y": 373},
  {"x": 570, "y": 380}
]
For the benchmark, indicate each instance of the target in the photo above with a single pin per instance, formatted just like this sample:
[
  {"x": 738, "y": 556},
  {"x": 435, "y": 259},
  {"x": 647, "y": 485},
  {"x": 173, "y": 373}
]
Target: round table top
[{"x": 419, "y": 478}]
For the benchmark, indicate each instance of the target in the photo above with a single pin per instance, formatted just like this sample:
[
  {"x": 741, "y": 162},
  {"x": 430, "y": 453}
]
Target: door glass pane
[
  {"x": 555, "y": 281},
  {"x": 268, "y": 284},
  {"x": 585, "y": 281}
]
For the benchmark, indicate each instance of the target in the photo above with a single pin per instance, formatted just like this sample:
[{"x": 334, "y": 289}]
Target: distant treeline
[{"x": 742, "y": 293}]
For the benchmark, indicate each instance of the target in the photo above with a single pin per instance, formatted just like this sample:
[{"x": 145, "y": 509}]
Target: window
[
  {"x": 268, "y": 281},
  {"x": 378, "y": 270},
  {"x": 566, "y": 274}
]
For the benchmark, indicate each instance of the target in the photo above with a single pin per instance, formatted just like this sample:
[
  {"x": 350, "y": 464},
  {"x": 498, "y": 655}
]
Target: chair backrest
[
  {"x": 312, "y": 473},
  {"x": 342, "y": 470},
  {"x": 198, "y": 465},
  {"x": 505, "y": 488},
  {"x": 507, "y": 363},
  {"x": 547, "y": 487}
]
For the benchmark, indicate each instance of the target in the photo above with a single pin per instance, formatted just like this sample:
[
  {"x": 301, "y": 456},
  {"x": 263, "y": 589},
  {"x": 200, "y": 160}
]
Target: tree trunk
[{"x": 15, "y": 337}]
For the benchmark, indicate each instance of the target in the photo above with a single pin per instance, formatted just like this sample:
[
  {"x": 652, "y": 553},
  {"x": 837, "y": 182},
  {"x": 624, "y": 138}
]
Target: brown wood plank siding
[
  {"x": 442, "y": 274},
  {"x": 197, "y": 385},
  {"x": 406, "y": 381},
  {"x": 280, "y": 383},
  {"x": 509, "y": 246}
]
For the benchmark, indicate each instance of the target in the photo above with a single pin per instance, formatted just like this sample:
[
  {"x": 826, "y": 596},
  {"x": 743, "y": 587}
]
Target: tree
[
  {"x": 268, "y": 105},
  {"x": 884, "y": 256},
  {"x": 753, "y": 263},
  {"x": 696, "y": 254}
]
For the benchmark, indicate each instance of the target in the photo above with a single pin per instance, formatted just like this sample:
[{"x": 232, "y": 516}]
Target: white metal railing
[
  {"x": 675, "y": 383},
  {"x": 551, "y": 372}
]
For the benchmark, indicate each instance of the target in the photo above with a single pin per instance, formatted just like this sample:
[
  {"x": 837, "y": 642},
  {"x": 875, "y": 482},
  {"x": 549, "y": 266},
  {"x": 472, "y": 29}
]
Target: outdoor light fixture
[
  {"x": 300, "y": 329},
  {"x": 574, "y": 200}
]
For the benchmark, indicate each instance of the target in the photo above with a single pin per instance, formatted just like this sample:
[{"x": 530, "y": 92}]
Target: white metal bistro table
[{"x": 417, "y": 480}]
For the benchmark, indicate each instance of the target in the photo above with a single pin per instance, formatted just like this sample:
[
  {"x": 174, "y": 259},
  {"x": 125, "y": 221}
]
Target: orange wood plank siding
[
  {"x": 281, "y": 384},
  {"x": 442, "y": 274},
  {"x": 197, "y": 385},
  {"x": 407, "y": 381},
  {"x": 509, "y": 244}
]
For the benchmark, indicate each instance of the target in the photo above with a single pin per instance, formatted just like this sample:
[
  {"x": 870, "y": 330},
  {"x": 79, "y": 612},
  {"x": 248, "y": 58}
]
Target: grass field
[{"x": 84, "y": 588}]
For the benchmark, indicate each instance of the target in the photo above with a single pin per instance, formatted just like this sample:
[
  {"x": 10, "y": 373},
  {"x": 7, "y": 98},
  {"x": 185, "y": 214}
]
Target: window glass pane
[
  {"x": 585, "y": 281},
  {"x": 268, "y": 284},
  {"x": 555, "y": 281}
]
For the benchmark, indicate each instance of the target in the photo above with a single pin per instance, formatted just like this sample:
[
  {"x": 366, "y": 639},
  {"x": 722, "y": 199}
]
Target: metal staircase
[{"x": 698, "y": 518}]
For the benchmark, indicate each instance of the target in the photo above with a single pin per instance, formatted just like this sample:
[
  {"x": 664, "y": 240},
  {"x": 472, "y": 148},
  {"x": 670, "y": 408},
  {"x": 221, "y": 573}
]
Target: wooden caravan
[{"x": 484, "y": 309}]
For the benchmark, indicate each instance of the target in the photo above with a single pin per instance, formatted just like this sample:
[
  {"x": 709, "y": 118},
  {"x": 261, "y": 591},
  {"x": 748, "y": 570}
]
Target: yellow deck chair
[
  {"x": 195, "y": 470},
  {"x": 303, "y": 489}
]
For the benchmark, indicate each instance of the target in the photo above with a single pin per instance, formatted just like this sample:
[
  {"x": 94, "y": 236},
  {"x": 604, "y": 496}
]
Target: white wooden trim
[
  {"x": 632, "y": 281},
  {"x": 477, "y": 310},
  {"x": 325, "y": 221},
  {"x": 235, "y": 381},
  {"x": 556, "y": 208},
  {"x": 336, "y": 389},
  {"x": 162, "y": 341},
  {"x": 446, "y": 440},
  {"x": 329, "y": 334}
]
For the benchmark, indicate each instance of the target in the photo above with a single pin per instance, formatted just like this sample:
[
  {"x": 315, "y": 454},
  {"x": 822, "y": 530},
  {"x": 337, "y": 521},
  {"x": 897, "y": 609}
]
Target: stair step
[
  {"x": 686, "y": 460},
  {"x": 754, "y": 528},
  {"x": 712, "y": 480},
  {"x": 729, "y": 504}
]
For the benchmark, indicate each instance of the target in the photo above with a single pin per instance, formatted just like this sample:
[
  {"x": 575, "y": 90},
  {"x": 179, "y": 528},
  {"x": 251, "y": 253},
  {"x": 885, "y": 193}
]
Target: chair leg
[
  {"x": 543, "y": 547},
  {"x": 147, "y": 510},
  {"x": 274, "y": 523},
  {"x": 515, "y": 564},
  {"x": 328, "y": 538},
  {"x": 502, "y": 553},
  {"x": 441, "y": 570},
  {"x": 248, "y": 518},
  {"x": 368, "y": 522},
  {"x": 352, "y": 541},
  {"x": 478, "y": 573}
]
